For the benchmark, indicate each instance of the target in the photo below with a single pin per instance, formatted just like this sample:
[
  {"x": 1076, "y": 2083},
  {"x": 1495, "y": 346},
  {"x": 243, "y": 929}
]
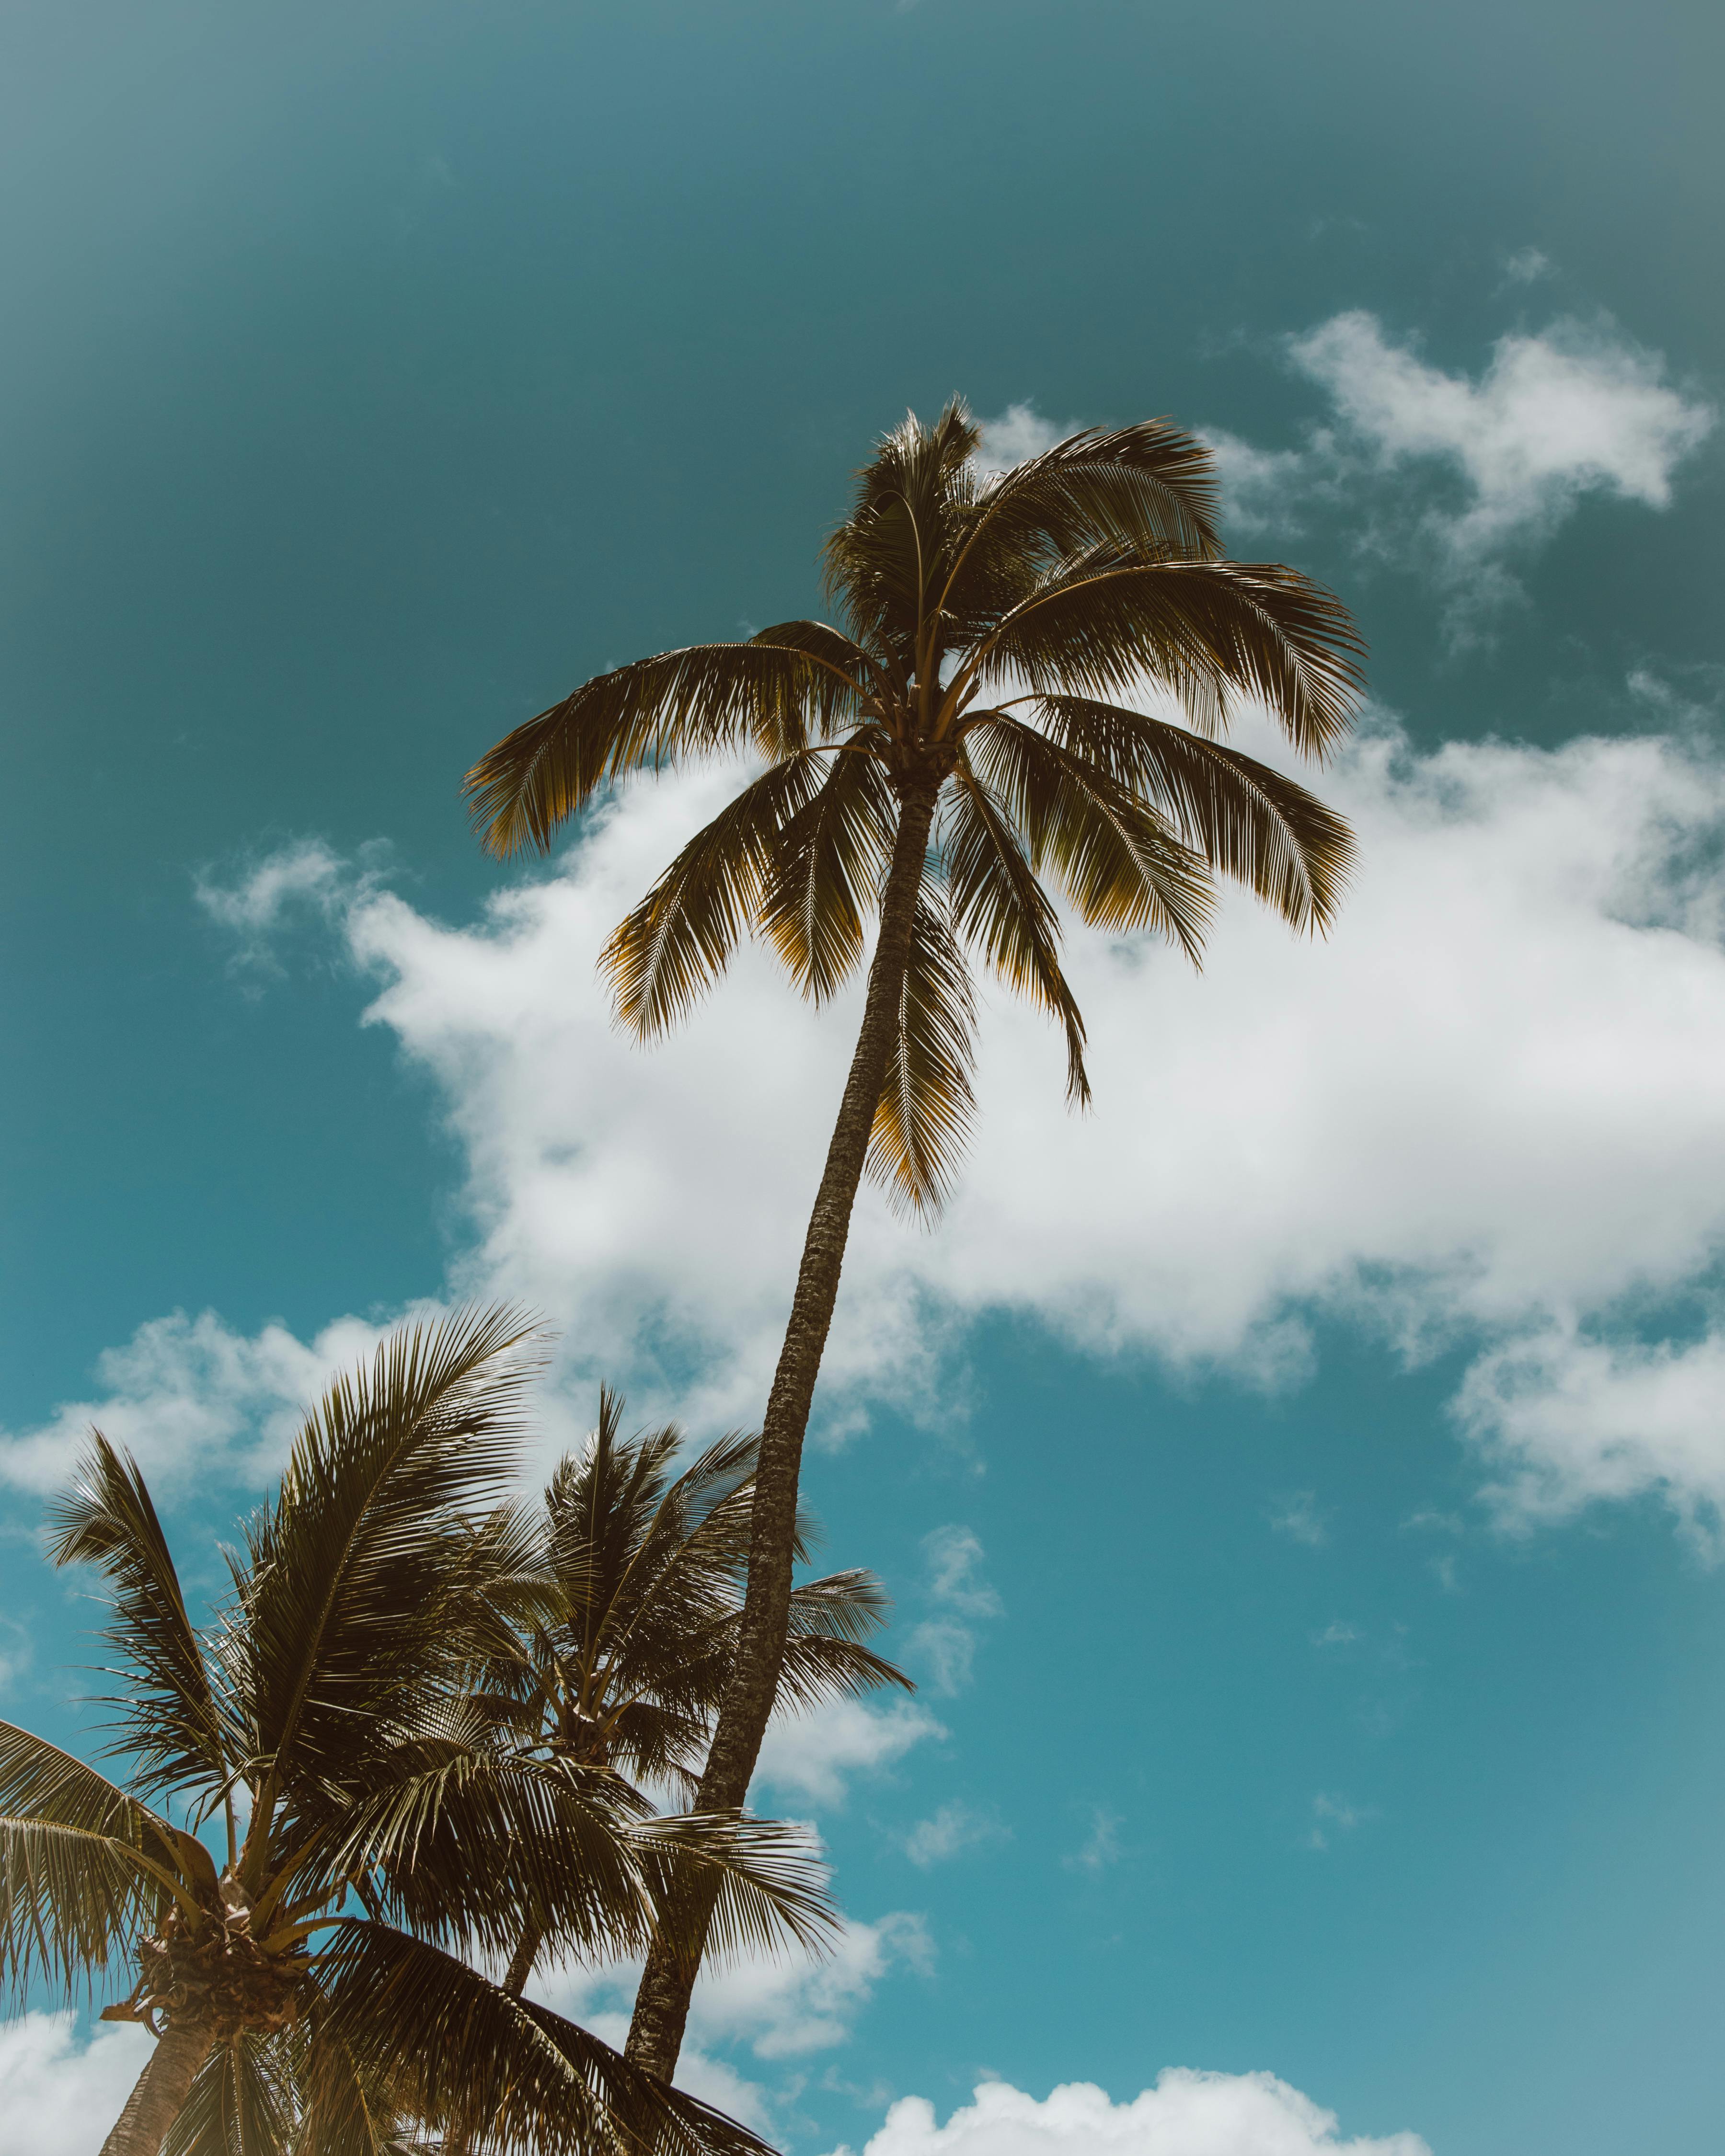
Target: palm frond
[
  {"x": 498, "y": 2070},
  {"x": 705, "y": 700},
  {"x": 1150, "y": 488},
  {"x": 356, "y": 1590},
  {"x": 923, "y": 1116},
  {"x": 1120, "y": 865},
  {"x": 170, "y": 1721},
  {"x": 1250, "y": 821},
  {"x": 1106, "y": 621},
  {"x": 827, "y": 866},
  {"x": 243, "y": 2103},
  {"x": 85, "y": 1866},
  {"x": 680, "y": 939},
  {"x": 738, "y": 1885},
  {"x": 999, "y": 905}
]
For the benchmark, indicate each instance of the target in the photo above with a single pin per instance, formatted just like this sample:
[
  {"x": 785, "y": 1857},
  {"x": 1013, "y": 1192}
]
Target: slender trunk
[
  {"x": 520, "y": 1966},
  {"x": 162, "y": 2090},
  {"x": 656, "y": 2035}
]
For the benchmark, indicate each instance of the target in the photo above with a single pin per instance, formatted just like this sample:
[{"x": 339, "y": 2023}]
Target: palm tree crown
[
  {"x": 621, "y": 1603},
  {"x": 309, "y": 1987},
  {"x": 993, "y": 625},
  {"x": 966, "y": 745}
]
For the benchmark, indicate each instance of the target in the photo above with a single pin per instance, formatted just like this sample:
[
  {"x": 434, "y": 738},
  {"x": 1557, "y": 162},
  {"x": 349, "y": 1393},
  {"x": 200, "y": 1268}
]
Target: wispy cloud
[
  {"x": 946, "y": 1643},
  {"x": 1297, "y": 1516},
  {"x": 1334, "y": 1815},
  {"x": 1100, "y": 1847},
  {"x": 1463, "y": 474},
  {"x": 949, "y": 1831}
]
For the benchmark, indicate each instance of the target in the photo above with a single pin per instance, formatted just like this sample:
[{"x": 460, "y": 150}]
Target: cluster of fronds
[
  {"x": 391, "y": 1827},
  {"x": 1008, "y": 642}
]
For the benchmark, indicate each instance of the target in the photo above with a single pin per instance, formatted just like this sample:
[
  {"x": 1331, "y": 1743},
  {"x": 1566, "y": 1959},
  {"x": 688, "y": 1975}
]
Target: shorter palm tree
[
  {"x": 621, "y": 1594},
  {"x": 312, "y": 1992}
]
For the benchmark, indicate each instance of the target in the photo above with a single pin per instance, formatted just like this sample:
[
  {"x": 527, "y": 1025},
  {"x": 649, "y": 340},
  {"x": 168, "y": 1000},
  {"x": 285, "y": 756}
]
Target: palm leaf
[
  {"x": 356, "y": 1590},
  {"x": 1120, "y": 866},
  {"x": 680, "y": 939},
  {"x": 86, "y": 1866},
  {"x": 1250, "y": 821},
  {"x": 707, "y": 699},
  {"x": 463, "y": 2053},
  {"x": 827, "y": 866},
  {"x": 923, "y": 1115},
  {"x": 999, "y": 905}
]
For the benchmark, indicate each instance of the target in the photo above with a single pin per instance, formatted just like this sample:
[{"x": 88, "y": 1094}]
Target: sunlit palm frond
[
  {"x": 999, "y": 905},
  {"x": 1250, "y": 822},
  {"x": 923, "y": 1115},
  {"x": 244, "y": 2102},
  {"x": 497, "y": 2071},
  {"x": 826, "y": 869},
  {"x": 1150, "y": 488},
  {"x": 85, "y": 1866},
  {"x": 356, "y": 1589},
  {"x": 746, "y": 1885},
  {"x": 1106, "y": 621},
  {"x": 169, "y": 1720},
  {"x": 1120, "y": 865},
  {"x": 707, "y": 699},
  {"x": 681, "y": 938}
]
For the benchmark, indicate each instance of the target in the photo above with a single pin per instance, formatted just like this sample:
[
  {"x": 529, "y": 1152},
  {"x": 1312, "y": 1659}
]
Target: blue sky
[{"x": 1300, "y": 1480}]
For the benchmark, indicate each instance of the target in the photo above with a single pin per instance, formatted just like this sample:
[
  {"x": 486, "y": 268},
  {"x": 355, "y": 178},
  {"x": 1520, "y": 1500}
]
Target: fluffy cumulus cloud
[
  {"x": 1486, "y": 1109},
  {"x": 188, "y": 1395},
  {"x": 814, "y": 1758},
  {"x": 59, "y": 2096},
  {"x": 1185, "y": 2114},
  {"x": 1577, "y": 409},
  {"x": 777, "y": 2012}
]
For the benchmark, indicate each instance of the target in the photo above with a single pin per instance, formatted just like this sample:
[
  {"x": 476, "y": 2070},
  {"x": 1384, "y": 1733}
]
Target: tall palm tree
[
  {"x": 972, "y": 726},
  {"x": 310, "y": 1976},
  {"x": 621, "y": 1609}
]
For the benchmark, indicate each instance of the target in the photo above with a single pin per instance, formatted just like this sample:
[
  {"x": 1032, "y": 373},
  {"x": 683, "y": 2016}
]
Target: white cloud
[
  {"x": 1487, "y": 1106},
  {"x": 1567, "y": 1418},
  {"x": 1020, "y": 431},
  {"x": 1185, "y": 2114},
  {"x": 1297, "y": 1516},
  {"x": 1336, "y": 1634},
  {"x": 946, "y": 1643},
  {"x": 1528, "y": 265},
  {"x": 59, "y": 2097},
  {"x": 1578, "y": 408},
  {"x": 814, "y": 1756},
  {"x": 1102, "y": 1845},
  {"x": 188, "y": 1395},
  {"x": 777, "y": 2009},
  {"x": 949, "y": 1831}
]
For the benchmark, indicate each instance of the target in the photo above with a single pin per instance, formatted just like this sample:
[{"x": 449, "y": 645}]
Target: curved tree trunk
[
  {"x": 160, "y": 2090},
  {"x": 656, "y": 2035}
]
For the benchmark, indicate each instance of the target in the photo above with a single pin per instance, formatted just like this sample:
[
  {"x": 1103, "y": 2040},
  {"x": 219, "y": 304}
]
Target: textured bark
[
  {"x": 160, "y": 2090},
  {"x": 521, "y": 1967},
  {"x": 656, "y": 2035}
]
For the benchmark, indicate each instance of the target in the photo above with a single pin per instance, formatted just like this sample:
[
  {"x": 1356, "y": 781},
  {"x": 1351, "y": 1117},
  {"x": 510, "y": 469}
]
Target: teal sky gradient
[{"x": 372, "y": 374}]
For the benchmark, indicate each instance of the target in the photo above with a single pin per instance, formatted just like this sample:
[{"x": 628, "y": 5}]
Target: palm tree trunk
[
  {"x": 160, "y": 2090},
  {"x": 521, "y": 1967},
  {"x": 656, "y": 2035}
]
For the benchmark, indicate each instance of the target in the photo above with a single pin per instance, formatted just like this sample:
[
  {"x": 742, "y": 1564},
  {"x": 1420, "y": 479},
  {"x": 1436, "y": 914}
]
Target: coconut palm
[
  {"x": 621, "y": 1609},
  {"x": 309, "y": 1984},
  {"x": 972, "y": 727}
]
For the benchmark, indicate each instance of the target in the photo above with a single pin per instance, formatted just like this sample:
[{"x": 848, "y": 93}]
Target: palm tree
[
  {"x": 621, "y": 1606},
  {"x": 971, "y": 726},
  {"x": 311, "y": 1991}
]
